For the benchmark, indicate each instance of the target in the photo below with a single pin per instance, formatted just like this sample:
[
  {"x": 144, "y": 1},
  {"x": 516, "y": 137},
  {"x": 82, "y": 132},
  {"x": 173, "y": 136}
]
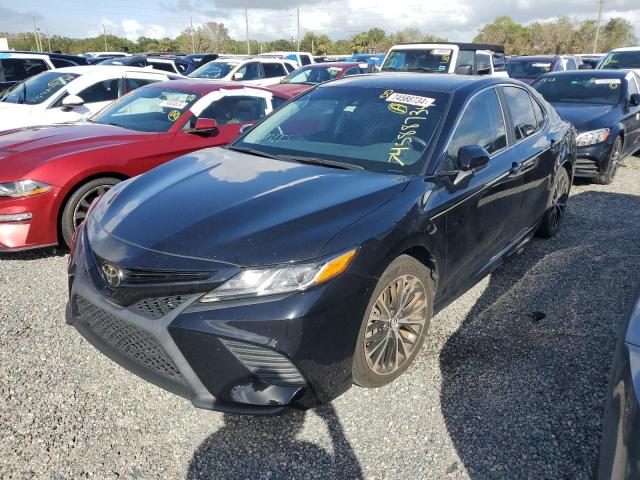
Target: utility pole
[
  {"x": 246, "y": 23},
  {"x": 35, "y": 35},
  {"x": 49, "y": 40},
  {"x": 104, "y": 32},
  {"x": 313, "y": 52},
  {"x": 193, "y": 38},
  {"x": 595, "y": 42},
  {"x": 298, "y": 10}
]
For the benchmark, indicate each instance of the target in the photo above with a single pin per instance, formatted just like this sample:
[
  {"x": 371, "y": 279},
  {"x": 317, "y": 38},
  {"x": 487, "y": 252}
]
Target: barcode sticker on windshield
[
  {"x": 173, "y": 104},
  {"x": 411, "y": 99},
  {"x": 441, "y": 51},
  {"x": 607, "y": 81}
]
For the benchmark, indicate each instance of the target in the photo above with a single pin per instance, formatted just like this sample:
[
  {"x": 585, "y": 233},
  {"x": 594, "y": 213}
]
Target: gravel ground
[{"x": 510, "y": 383}]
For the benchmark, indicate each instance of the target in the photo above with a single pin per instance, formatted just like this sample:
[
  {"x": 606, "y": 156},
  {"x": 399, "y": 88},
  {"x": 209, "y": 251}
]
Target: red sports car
[
  {"x": 51, "y": 174},
  {"x": 306, "y": 77}
]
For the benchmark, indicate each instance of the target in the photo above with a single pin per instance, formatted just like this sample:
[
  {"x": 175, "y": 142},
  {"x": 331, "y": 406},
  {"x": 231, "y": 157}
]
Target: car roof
[
  {"x": 333, "y": 64},
  {"x": 533, "y": 58},
  {"x": 590, "y": 73},
  {"x": 435, "y": 82},
  {"x": 626, "y": 49},
  {"x": 203, "y": 87},
  {"x": 461, "y": 45}
]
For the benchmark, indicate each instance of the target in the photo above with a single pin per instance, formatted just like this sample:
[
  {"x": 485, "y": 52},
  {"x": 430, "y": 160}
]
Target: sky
[{"x": 457, "y": 20}]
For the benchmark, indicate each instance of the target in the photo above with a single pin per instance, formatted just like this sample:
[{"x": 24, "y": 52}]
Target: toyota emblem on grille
[{"x": 111, "y": 275}]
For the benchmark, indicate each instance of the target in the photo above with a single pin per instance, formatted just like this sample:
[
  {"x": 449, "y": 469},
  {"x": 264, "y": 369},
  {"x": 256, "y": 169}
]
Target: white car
[
  {"x": 622, "y": 58},
  {"x": 450, "y": 57},
  {"x": 257, "y": 71},
  {"x": 15, "y": 67},
  {"x": 70, "y": 94},
  {"x": 300, "y": 58}
]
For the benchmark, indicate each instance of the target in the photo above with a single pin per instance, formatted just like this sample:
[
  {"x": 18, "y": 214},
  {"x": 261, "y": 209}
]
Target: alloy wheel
[
  {"x": 396, "y": 322},
  {"x": 82, "y": 207},
  {"x": 559, "y": 199}
]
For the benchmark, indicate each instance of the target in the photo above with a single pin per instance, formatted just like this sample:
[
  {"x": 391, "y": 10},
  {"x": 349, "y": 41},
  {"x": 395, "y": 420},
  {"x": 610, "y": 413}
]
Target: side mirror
[
  {"x": 463, "y": 70},
  {"x": 72, "y": 101},
  {"x": 245, "y": 127},
  {"x": 472, "y": 157},
  {"x": 238, "y": 76},
  {"x": 634, "y": 99},
  {"x": 585, "y": 66},
  {"x": 204, "y": 126}
]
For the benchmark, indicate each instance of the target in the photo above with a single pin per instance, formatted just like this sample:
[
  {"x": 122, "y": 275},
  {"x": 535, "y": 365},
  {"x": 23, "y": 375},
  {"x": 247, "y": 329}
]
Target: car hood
[
  {"x": 224, "y": 206},
  {"x": 23, "y": 149},
  {"x": 292, "y": 89},
  {"x": 587, "y": 117}
]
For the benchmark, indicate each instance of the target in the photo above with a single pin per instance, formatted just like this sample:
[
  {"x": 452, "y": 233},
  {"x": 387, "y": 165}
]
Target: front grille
[
  {"x": 268, "y": 365},
  {"x": 128, "y": 340},
  {"x": 159, "y": 306}
]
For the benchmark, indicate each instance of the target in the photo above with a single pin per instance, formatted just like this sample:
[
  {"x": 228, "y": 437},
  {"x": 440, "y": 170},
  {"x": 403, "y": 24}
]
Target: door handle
[{"x": 516, "y": 168}]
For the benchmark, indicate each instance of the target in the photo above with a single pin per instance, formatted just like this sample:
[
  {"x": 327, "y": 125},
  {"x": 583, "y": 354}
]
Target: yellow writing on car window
[{"x": 405, "y": 137}]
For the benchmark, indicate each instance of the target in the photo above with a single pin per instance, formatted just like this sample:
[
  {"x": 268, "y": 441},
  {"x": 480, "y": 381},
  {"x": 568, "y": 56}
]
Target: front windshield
[
  {"x": 432, "y": 60},
  {"x": 214, "y": 70},
  {"x": 38, "y": 88},
  {"x": 378, "y": 129},
  {"x": 148, "y": 109},
  {"x": 313, "y": 75},
  {"x": 525, "y": 69},
  {"x": 580, "y": 89},
  {"x": 615, "y": 60}
]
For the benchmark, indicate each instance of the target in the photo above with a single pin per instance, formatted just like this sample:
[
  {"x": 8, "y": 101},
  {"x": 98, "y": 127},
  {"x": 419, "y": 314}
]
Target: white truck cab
[{"x": 460, "y": 58}]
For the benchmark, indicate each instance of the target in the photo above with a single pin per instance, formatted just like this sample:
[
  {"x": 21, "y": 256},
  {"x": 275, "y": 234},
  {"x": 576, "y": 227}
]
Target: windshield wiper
[
  {"x": 251, "y": 151},
  {"x": 323, "y": 162}
]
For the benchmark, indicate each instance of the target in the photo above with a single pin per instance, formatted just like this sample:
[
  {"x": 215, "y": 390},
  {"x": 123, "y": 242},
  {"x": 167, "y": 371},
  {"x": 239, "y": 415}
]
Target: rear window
[
  {"x": 432, "y": 60},
  {"x": 579, "y": 89},
  {"x": 528, "y": 69}
]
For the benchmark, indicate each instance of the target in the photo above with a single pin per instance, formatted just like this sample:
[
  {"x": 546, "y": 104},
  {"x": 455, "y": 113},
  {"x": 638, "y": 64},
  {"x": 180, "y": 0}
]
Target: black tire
[
  {"x": 411, "y": 333},
  {"x": 79, "y": 201},
  {"x": 606, "y": 177},
  {"x": 557, "y": 204}
]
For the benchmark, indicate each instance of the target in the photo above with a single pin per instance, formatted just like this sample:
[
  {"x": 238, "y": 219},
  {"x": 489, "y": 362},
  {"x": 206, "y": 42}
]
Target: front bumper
[
  {"x": 39, "y": 231},
  {"x": 255, "y": 357},
  {"x": 592, "y": 160}
]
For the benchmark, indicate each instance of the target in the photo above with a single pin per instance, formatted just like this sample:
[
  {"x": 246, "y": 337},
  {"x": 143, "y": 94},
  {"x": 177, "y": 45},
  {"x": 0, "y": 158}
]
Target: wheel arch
[{"x": 72, "y": 189}]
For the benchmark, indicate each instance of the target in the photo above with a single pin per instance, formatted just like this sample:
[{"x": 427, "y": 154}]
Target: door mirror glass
[
  {"x": 71, "y": 101},
  {"x": 634, "y": 100},
  {"x": 238, "y": 76},
  {"x": 472, "y": 157}
]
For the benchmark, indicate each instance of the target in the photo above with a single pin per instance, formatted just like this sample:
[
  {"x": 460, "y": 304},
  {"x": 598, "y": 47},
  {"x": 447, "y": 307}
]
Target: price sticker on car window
[
  {"x": 405, "y": 98},
  {"x": 179, "y": 104},
  {"x": 441, "y": 51}
]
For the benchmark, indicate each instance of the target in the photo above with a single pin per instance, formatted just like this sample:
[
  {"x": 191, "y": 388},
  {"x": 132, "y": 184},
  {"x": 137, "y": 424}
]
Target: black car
[
  {"x": 620, "y": 446},
  {"x": 604, "y": 106},
  {"x": 168, "y": 63},
  {"x": 199, "y": 59},
  {"x": 312, "y": 253}
]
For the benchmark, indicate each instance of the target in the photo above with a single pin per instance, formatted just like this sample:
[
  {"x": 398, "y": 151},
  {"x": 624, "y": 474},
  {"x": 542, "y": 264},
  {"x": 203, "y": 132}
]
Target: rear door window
[
  {"x": 483, "y": 63},
  {"x": 306, "y": 60},
  {"x": 133, "y": 83}
]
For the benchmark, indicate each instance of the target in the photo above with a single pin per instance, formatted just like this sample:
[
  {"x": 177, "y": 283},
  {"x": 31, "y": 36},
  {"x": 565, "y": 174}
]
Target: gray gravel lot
[{"x": 498, "y": 392}]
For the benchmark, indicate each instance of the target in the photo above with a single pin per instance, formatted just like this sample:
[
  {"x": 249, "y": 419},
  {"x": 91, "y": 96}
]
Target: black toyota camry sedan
[
  {"x": 313, "y": 252},
  {"x": 604, "y": 106}
]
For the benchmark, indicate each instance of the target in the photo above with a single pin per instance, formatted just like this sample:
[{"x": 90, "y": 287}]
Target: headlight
[
  {"x": 23, "y": 188},
  {"x": 593, "y": 137},
  {"x": 260, "y": 282}
]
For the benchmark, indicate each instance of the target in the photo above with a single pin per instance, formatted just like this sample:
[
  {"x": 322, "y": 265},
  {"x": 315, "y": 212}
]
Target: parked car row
[{"x": 336, "y": 208}]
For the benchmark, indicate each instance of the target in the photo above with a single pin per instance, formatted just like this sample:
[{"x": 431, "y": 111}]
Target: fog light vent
[{"x": 268, "y": 365}]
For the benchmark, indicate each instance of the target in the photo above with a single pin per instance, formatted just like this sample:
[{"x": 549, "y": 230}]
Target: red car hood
[
  {"x": 23, "y": 149},
  {"x": 292, "y": 89}
]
